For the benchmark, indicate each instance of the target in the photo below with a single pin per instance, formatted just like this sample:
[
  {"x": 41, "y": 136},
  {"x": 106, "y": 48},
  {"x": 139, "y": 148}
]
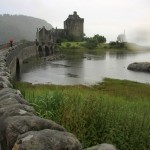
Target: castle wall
[
  {"x": 73, "y": 30},
  {"x": 43, "y": 35},
  {"x": 74, "y": 25}
]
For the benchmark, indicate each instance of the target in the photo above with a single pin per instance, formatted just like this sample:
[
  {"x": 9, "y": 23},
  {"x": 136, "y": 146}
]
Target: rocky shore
[
  {"x": 139, "y": 66},
  {"x": 53, "y": 57}
]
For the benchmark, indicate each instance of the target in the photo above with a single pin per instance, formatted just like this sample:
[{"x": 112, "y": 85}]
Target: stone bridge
[
  {"x": 18, "y": 54},
  {"x": 45, "y": 49},
  {"x": 23, "y": 51}
]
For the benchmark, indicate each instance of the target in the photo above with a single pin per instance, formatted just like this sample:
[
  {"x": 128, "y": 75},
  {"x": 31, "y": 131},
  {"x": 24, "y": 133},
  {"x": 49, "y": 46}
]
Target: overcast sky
[{"x": 104, "y": 17}]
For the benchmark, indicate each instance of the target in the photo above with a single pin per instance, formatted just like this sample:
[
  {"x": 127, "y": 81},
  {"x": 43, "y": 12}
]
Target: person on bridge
[{"x": 11, "y": 42}]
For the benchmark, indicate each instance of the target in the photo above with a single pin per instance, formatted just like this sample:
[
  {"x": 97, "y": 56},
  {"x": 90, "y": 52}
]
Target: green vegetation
[
  {"x": 71, "y": 45},
  {"x": 97, "y": 42},
  {"x": 99, "y": 38},
  {"x": 93, "y": 42},
  {"x": 83, "y": 45},
  {"x": 115, "y": 111},
  {"x": 117, "y": 44}
]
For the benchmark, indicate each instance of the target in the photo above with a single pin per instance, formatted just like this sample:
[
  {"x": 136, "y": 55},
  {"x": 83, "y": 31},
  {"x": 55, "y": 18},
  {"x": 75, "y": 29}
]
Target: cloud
[{"x": 108, "y": 17}]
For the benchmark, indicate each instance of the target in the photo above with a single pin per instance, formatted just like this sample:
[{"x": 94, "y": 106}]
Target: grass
[
  {"x": 76, "y": 49},
  {"x": 72, "y": 45},
  {"x": 115, "y": 111},
  {"x": 80, "y": 46}
]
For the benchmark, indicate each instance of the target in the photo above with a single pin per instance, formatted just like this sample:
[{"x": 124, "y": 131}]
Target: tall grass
[{"x": 111, "y": 112}]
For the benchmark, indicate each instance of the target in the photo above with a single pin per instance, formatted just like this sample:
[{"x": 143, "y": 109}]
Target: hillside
[
  {"x": 20, "y": 27},
  {"x": 134, "y": 46}
]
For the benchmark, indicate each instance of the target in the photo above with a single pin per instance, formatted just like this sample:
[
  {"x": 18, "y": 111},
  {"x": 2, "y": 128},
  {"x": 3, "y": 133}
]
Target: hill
[
  {"x": 134, "y": 46},
  {"x": 20, "y": 27}
]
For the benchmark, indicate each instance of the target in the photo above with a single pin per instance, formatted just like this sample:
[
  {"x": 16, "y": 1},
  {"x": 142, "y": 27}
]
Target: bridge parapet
[
  {"x": 17, "y": 54},
  {"x": 7, "y": 45},
  {"x": 15, "y": 50},
  {"x": 3, "y": 46}
]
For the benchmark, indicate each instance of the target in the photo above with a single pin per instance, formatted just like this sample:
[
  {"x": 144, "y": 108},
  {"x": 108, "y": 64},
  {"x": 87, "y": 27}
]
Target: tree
[
  {"x": 90, "y": 43},
  {"x": 99, "y": 38}
]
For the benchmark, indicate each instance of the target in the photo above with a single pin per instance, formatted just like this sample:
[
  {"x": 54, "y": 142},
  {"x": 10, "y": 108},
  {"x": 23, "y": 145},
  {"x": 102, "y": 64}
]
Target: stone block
[
  {"x": 47, "y": 140},
  {"x": 16, "y": 125}
]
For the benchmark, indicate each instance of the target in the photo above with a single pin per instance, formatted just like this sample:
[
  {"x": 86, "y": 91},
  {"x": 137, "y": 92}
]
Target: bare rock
[
  {"x": 14, "y": 96},
  {"x": 6, "y": 84},
  {"x": 3, "y": 85},
  {"x": 4, "y": 69},
  {"x": 8, "y": 102},
  {"x": 6, "y": 75},
  {"x": 2, "y": 64},
  {"x": 6, "y": 91},
  {"x": 16, "y": 125},
  {"x": 2, "y": 73},
  {"x": 103, "y": 146},
  {"x": 6, "y": 81},
  {"x": 139, "y": 66},
  {"x": 17, "y": 110},
  {"x": 47, "y": 140}
]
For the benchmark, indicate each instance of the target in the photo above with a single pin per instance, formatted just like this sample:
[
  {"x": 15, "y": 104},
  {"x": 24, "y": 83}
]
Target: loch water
[{"x": 86, "y": 68}]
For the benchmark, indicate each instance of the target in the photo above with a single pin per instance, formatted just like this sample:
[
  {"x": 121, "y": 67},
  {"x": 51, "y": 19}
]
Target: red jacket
[{"x": 11, "y": 40}]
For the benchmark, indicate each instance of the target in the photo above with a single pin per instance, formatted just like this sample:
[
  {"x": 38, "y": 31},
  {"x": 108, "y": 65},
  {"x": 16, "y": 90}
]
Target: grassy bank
[
  {"x": 80, "y": 46},
  {"x": 114, "y": 111}
]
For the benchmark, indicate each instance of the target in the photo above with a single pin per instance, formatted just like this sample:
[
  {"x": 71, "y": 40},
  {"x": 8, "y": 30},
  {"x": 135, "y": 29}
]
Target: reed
[{"x": 115, "y": 111}]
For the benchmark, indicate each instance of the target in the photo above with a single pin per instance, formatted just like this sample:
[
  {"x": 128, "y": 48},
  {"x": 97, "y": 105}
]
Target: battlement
[{"x": 75, "y": 16}]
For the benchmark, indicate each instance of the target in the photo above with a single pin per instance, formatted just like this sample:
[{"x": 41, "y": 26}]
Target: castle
[
  {"x": 73, "y": 25},
  {"x": 73, "y": 31}
]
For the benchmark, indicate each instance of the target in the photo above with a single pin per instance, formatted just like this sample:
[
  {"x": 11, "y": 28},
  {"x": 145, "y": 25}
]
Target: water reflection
[
  {"x": 119, "y": 54},
  {"x": 102, "y": 56},
  {"x": 86, "y": 68}
]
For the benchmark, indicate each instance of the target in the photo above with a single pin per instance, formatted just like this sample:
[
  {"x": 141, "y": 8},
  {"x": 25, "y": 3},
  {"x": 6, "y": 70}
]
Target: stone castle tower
[
  {"x": 73, "y": 31},
  {"x": 74, "y": 27}
]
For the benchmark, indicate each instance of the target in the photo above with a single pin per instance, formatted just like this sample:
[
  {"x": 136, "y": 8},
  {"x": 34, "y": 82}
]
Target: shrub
[
  {"x": 90, "y": 43},
  {"x": 68, "y": 45}
]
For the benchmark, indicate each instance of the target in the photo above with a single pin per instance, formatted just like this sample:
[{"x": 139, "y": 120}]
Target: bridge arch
[
  {"x": 51, "y": 50},
  {"x": 40, "y": 51},
  {"x": 47, "y": 52},
  {"x": 17, "y": 69}
]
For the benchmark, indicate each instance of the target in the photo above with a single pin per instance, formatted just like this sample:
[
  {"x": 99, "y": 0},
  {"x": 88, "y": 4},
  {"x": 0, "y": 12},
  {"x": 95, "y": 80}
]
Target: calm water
[{"x": 86, "y": 68}]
